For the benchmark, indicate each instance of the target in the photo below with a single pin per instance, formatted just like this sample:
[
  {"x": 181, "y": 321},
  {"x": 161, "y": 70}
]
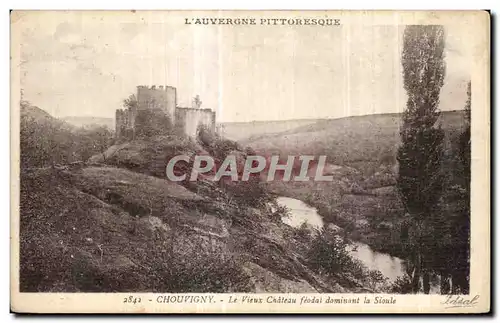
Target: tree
[
  {"x": 420, "y": 180},
  {"x": 461, "y": 226},
  {"x": 465, "y": 140},
  {"x": 155, "y": 122},
  {"x": 130, "y": 102},
  {"x": 100, "y": 138},
  {"x": 197, "y": 102},
  {"x": 44, "y": 140}
]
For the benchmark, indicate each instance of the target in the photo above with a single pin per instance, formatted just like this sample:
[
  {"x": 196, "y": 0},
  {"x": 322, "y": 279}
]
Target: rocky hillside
[
  {"x": 115, "y": 224},
  {"x": 46, "y": 140},
  {"x": 110, "y": 229},
  {"x": 362, "y": 196}
]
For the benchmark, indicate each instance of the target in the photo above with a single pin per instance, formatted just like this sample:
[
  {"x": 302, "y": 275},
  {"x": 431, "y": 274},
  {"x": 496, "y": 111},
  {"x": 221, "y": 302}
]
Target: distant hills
[
  {"x": 115, "y": 224},
  {"x": 70, "y": 122},
  {"x": 37, "y": 115},
  {"x": 244, "y": 130},
  {"x": 90, "y": 122},
  {"x": 346, "y": 141},
  {"x": 46, "y": 140},
  {"x": 255, "y": 132},
  {"x": 362, "y": 152}
]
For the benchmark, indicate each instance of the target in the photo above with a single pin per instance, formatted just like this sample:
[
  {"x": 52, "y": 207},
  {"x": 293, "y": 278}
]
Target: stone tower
[{"x": 161, "y": 97}]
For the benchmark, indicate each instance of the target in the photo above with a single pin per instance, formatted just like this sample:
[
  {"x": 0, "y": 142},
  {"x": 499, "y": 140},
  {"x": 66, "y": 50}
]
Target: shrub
[
  {"x": 203, "y": 275},
  {"x": 196, "y": 270},
  {"x": 149, "y": 123},
  {"x": 330, "y": 255},
  {"x": 251, "y": 193},
  {"x": 279, "y": 212},
  {"x": 49, "y": 141},
  {"x": 375, "y": 279},
  {"x": 303, "y": 233},
  {"x": 402, "y": 285},
  {"x": 216, "y": 145},
  {"x": 205, "y": 136}
]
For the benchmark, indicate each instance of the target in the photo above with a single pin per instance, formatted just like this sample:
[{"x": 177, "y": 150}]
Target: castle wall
[
  {"x": 123, "y": 122},
  {"x": 189, "y": 119},
  {"x": 131, "y": 114},
  {"x": 157, "y": 97},
  {"x": 164, "y": 98},
  {"x": 118, "y": 122}
]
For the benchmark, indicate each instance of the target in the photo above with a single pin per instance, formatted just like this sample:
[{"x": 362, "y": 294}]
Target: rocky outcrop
[{"x": 109, "y": 229}]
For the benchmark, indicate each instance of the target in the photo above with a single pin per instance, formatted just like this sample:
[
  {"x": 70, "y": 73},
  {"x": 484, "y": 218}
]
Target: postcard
[{"x": 250, "y": 161}]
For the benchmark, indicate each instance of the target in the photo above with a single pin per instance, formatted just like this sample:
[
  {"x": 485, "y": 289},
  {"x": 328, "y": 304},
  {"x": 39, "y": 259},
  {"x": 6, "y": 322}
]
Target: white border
[{"x": 126, "y": 4}]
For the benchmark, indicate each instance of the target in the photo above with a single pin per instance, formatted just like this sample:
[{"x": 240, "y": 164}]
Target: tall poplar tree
[
  {"x": 461, "y": 250},
  {"x": 420, "y": 177}
]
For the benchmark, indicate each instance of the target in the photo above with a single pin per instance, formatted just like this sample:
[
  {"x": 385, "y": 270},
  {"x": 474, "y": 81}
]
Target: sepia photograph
[{"x": 250, "y": 161}]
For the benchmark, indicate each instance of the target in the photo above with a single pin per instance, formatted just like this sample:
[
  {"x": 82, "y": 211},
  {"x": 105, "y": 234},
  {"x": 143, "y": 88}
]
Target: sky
[{"x": 85, "y": 64}]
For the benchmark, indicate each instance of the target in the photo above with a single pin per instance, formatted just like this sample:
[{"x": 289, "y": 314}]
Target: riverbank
[
  {"x": 300, "y": 213},
  {"x": 367, "y": 213}
]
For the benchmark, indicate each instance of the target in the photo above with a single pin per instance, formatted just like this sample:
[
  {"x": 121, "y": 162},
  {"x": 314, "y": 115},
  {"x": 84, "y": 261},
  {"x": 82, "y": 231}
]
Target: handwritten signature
[{"x": 453, "y": 301}]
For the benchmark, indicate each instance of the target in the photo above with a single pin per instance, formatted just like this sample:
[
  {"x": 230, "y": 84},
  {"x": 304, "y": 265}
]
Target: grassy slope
[
  {"x": 362, "y": 198},
  {"x": 360, "y": 142},
  {"x": 243, "y": 130},
  {"x": 100, "y": 229},
  {"x": 47, "y": 140},
  {"x": 117, "y": 225},
  {"x": 39, "y": 116}
]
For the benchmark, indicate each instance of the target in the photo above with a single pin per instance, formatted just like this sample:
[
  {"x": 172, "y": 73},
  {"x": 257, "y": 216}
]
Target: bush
[
  {"x": 49, "y": 141},
  {"x": 205, "y": 136},
  {"x": 195, "y": 270},
  {"x": 216, "y": 145},
  {"x": 92, "y": 141},
  {"x": 402, "y": 285},
  {"x": 149, "y": 123},
  {"x": 279, "y": 212},
  {"x": 251, "y": 193},
  {"x": 375, "y": 279},
  {"x": 330, "y": 255},
  {"x": 202, "y": 275},
  {"x": 304, "y": 233}
]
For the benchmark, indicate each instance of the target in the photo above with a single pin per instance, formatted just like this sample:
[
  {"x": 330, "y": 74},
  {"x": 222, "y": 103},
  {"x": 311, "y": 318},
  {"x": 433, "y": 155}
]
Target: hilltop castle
[{"x": 164, "y": 98}]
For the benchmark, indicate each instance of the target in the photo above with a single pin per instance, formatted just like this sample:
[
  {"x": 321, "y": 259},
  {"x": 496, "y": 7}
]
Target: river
[{"x": 391, "y": 267}]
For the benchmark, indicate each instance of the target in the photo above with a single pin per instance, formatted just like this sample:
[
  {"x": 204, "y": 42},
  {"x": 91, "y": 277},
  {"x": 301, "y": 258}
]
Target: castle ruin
[{"x": 164, "y": 98}]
